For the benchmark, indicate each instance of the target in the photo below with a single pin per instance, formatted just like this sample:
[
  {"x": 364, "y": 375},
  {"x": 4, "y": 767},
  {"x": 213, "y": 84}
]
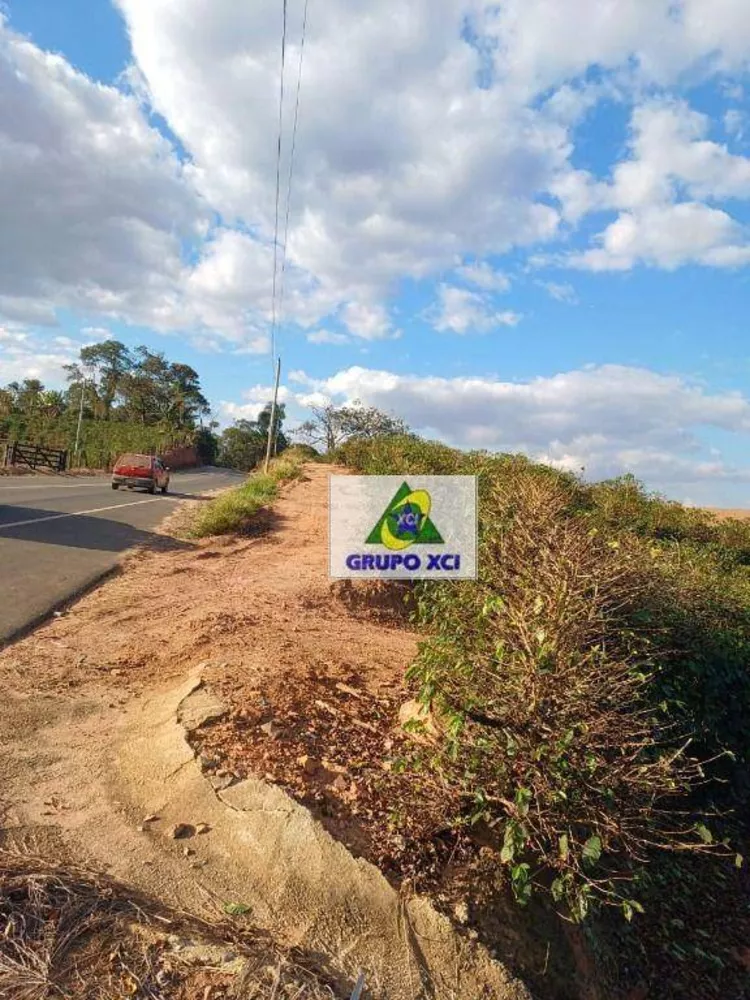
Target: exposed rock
[
  {"x": 199, "y": 707},
  {"x": 181, "y": 831},
  {"x": 417, "y": 721},
  {"x": 220, "y": 782},
  {"x": 272, "y": 729}
]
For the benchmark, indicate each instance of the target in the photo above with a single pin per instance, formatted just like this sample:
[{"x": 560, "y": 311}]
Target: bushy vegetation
[
  {"x": 101, "y": 441},
  {"x": 592, "y": 686},
  {"x": 129, "y": 400},
  {"x": 232, "y": 509},
  {"x": 243, "y": 445}
]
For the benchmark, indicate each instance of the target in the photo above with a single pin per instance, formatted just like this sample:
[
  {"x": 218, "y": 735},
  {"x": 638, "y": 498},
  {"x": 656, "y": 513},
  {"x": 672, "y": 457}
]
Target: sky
[{"x": 520, "y": 226}]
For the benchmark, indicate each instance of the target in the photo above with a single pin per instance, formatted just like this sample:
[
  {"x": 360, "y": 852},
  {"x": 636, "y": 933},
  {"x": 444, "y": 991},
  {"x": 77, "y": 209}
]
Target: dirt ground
[
  {"x": 312, "y": 671},
  {"x": 312, "y": 674},
  {"x": 257, "y": 611}
]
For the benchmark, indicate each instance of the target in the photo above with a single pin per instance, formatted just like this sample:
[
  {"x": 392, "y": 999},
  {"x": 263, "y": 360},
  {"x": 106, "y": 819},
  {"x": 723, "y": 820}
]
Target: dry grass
[
  {"x": 69, "y": 932},
  {"x": 232, "y": 509}
]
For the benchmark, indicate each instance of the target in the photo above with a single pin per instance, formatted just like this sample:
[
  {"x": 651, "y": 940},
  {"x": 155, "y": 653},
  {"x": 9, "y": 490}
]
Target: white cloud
[
  {"x": 93, "y": 203},
  {"x": 483, "y": 276},
  {"x": 256, "y": 398},
  {"x": 309, "y": 399},
  {"x": 609, "y": 419},
  {"x": 461, "y": 311},
  {"x": 97, "y": 212},
  {"x": 328, "y": 337},
  {"x": 670, "y": 147},
  {"x": 541, "y": 44},
  {"x": 662, "y": 191},
  {"x": 369, "y": 321},
  {"x": 560, "y": 291},
  {"x": 228, "y": 412},
  {"x": 26, "y": 355},
  {"x": 668, "y": 236},
  {"x": 734, "y": 123},
  {"x": 402, "y": 162},
  {"x": 429, "y": 132}
]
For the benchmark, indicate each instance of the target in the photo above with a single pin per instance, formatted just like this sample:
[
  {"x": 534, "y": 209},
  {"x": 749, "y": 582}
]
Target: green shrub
[{"x": 607, "y": 630}]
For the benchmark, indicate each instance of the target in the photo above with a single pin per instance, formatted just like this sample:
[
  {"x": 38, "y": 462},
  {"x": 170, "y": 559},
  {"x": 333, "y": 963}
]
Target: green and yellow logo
[{"x": 406, "y": 521}]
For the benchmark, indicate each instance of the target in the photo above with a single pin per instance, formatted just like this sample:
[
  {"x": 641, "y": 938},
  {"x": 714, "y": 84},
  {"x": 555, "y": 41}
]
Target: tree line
[
  {"x": 140, "y": 400},
  {"x": 136, "y": 400},
  {"x": 116, "y": 383}
]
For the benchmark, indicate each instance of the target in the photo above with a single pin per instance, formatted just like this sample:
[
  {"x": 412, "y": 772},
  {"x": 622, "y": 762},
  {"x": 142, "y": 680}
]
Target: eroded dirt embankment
[{"x": 91, "y": 741}]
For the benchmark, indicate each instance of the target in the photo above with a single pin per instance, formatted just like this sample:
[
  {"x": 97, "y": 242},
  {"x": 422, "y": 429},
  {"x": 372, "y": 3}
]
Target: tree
[
  {"x": 10, "y": 397},
  {"x": 52, "y": 403},
  {"x": 30, "y": 395},
  {"x": 109, "y": 363},
  {"x": 244, "y": 444},
  {"x": 207, "y": 446},
  {"x": 331, "y": 425},
  {"x": 278, "y": 439},
  {"x": 7, "y": 402},
  {"x": 186, "y": 401}
]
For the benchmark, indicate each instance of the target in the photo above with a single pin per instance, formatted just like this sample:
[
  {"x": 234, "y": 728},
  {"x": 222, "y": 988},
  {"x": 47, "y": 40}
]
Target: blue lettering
[
  {"x": 412, "y": 562},
  {"x": 434, "y": 561},
  {"x": 368, "y": 562},
  {"x": 353, "y": 561}
]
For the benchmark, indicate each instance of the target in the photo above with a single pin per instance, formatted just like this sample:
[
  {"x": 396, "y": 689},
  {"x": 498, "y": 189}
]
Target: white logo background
[{"x": 357, "y": 503}]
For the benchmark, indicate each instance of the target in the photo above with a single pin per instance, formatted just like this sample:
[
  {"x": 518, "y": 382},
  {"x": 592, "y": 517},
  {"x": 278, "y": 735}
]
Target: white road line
[
  {"x": 79, "y": 513},
  {"x": 54, "y": 486},
  {"x": 105, "y": 482}
]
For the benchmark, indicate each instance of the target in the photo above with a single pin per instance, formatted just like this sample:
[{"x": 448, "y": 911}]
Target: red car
[{"x": 144, "y": 471}]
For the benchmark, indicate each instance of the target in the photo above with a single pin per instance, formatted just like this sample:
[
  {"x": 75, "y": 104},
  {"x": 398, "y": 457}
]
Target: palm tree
[{"x": 52, "y": 403}]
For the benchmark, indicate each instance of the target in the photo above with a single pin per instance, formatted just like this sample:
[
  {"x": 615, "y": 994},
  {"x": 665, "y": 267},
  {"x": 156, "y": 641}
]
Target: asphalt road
[{"x": 59, "y": 534}]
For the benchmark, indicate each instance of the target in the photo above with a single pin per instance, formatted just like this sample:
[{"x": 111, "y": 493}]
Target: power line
[
  {"x": 278, "y": 185},
  {"x": 291, "y": 157}
]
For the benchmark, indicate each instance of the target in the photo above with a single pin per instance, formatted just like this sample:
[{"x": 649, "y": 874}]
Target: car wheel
[
  {"x": 115, "y": 486},
  {"x": 164, "y": 488},
  {"x": 152, "y": 489}
]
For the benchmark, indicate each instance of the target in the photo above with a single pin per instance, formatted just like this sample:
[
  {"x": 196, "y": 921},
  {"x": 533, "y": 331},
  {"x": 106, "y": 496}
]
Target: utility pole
[
  {"x": 273, "y": 414},
  {"x": 80, "y": 416}
]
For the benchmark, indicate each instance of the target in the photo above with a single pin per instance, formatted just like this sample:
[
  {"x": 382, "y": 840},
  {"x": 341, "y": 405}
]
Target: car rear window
[{"x": 134, "y": 461}]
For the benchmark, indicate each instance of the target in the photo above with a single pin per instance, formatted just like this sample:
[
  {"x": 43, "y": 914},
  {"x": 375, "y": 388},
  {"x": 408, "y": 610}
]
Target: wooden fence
[{"x": 34, "y": 456}]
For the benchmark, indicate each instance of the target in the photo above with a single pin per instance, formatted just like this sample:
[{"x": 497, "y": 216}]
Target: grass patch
[{"x": 231, "y": 510}]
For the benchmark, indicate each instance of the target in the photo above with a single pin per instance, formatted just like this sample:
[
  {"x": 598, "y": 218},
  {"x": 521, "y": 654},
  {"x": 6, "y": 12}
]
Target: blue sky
[{"x": 520, "y": 227}]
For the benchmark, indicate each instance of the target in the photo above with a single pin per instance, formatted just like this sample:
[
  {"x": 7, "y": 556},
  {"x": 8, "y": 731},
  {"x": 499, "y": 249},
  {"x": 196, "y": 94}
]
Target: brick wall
[{"x": 180, "y": 458}]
